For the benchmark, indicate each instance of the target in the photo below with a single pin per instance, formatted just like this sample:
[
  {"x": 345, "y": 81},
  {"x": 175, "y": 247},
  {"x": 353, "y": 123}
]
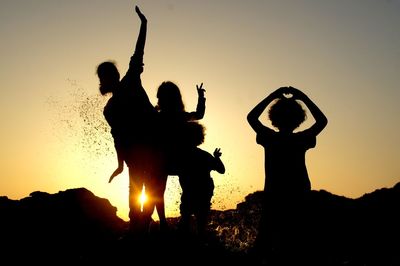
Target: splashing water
[
  {"x": 79, "y": 124},
  {"x": 78, "y": 118}
]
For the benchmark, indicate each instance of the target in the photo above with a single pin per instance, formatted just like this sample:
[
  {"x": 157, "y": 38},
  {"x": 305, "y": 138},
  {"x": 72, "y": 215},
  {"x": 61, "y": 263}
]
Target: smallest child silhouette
[{"x": 195, "y": 179}]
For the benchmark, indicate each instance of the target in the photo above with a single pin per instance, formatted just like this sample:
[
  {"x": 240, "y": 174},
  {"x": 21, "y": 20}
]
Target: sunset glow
[
  {"x": 343, "y": 54},
  {"x": 142, "y": 198}
]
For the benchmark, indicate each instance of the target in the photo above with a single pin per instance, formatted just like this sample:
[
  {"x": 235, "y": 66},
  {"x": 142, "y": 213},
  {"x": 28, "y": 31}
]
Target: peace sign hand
[
  {"x": 217, "y": 153},
  {"x": 200, "y": 90}
]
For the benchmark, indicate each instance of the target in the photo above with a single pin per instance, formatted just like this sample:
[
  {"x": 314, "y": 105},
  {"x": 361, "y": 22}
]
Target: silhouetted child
[
  {"x": 133, "y": 121},
  {"x": 195, "y": 179},
  {"x": 173, "y": 117},
  {"x": 287, "y": 182}
]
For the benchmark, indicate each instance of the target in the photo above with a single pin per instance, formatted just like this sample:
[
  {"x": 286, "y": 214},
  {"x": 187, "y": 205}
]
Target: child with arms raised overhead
[{"x": 287, "y": 183}]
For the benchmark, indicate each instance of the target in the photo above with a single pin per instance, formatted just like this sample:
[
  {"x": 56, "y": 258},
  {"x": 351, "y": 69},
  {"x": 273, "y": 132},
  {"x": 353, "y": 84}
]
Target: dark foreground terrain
[{"x": 77, "y": 227}]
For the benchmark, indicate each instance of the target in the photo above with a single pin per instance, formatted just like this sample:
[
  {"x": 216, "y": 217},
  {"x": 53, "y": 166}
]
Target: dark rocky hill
[{"x": 75, "y": 226}]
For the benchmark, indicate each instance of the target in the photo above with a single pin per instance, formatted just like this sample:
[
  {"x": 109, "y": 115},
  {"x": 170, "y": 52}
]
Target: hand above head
[
  {"x": 296, "y": 93},
  {"x": 279, "y": 93},
  {"x": 140, "y": 14},
  {"x": 200, "y": 90}
]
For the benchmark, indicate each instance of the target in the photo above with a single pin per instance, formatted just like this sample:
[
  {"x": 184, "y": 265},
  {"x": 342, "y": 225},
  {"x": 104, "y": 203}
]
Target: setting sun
[{"x": 142, "y": 198}]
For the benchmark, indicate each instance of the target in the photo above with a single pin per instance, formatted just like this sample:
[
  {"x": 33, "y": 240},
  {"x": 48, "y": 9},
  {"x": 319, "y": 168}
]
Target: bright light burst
[{"x": 142, "y": 198}]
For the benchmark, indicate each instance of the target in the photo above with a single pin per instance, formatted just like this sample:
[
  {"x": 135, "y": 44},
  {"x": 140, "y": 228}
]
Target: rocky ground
[{"x": 75, "y": 226}]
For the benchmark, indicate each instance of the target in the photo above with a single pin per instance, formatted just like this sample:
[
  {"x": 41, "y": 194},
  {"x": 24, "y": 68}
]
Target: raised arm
[
  {"x": 201, "y": 104},
  {"x": 136, "y": 63},
  {"x": 320, "y": 119},
  {"x": 254, "y": 115},
  {"x": 201, "y": 101},
  {"x": 139, "y": 49}
]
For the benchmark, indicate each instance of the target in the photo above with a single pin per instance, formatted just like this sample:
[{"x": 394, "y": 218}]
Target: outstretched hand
[
  {"x": 200, "y": 90},
  {"x": 217, "y": 153},
  {"x": 140, "y": 14}
]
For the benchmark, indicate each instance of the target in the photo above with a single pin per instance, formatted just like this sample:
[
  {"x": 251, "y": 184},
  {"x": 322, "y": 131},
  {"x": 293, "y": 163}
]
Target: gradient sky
[{"x": 345, "y": 55}]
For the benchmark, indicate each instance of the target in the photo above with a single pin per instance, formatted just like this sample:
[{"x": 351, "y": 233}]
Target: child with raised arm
[
  {"x": 195, "y": 179},
  {"x": 173, "y": 118},
  {"x": 133, "y": 121},
  {"x": 286, "y": 178}
]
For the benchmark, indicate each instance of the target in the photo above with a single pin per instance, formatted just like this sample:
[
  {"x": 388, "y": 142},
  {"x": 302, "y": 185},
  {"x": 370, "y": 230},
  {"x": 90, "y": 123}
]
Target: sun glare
[{"x": 142, "y": 198}]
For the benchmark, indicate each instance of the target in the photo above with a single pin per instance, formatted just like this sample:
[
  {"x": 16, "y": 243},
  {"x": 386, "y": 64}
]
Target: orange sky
[{"x": 345, "y": 55}]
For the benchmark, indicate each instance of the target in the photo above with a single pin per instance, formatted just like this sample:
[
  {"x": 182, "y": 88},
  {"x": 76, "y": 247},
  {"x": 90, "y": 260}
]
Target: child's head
[
  {"x": 109, "y": 77},
  {"x": 169, "y": 97},
  {"x": 194, "y": 133},
  {"x": 287, "y": 114}
]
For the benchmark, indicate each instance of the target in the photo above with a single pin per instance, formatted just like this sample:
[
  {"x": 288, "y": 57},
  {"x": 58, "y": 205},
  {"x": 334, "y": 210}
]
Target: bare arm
[
  {"x": 254, "y": 115},
  {"x": 139, "y": 50},
  {"x": 201, "y": 104},
  {"x": 136, "y": 63},
  {"x": 320, "y": 119}
]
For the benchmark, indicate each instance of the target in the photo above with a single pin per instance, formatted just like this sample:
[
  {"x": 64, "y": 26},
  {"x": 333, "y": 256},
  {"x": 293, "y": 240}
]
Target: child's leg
[
  {"x": 135, "y": 188},
  {"x": 159, "y": 190},
  {"x": 204, "y": 207},
  {"x": 202, "y": 216},
  {"x": 185, "y": 210}
]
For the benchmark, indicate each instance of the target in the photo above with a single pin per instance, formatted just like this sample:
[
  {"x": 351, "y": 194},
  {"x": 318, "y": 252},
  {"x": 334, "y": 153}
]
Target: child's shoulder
[{"x": 203, "y": 153}]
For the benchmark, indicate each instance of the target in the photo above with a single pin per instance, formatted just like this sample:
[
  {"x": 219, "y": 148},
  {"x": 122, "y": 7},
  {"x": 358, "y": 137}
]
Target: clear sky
[{"x": 345, "y": 55}]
